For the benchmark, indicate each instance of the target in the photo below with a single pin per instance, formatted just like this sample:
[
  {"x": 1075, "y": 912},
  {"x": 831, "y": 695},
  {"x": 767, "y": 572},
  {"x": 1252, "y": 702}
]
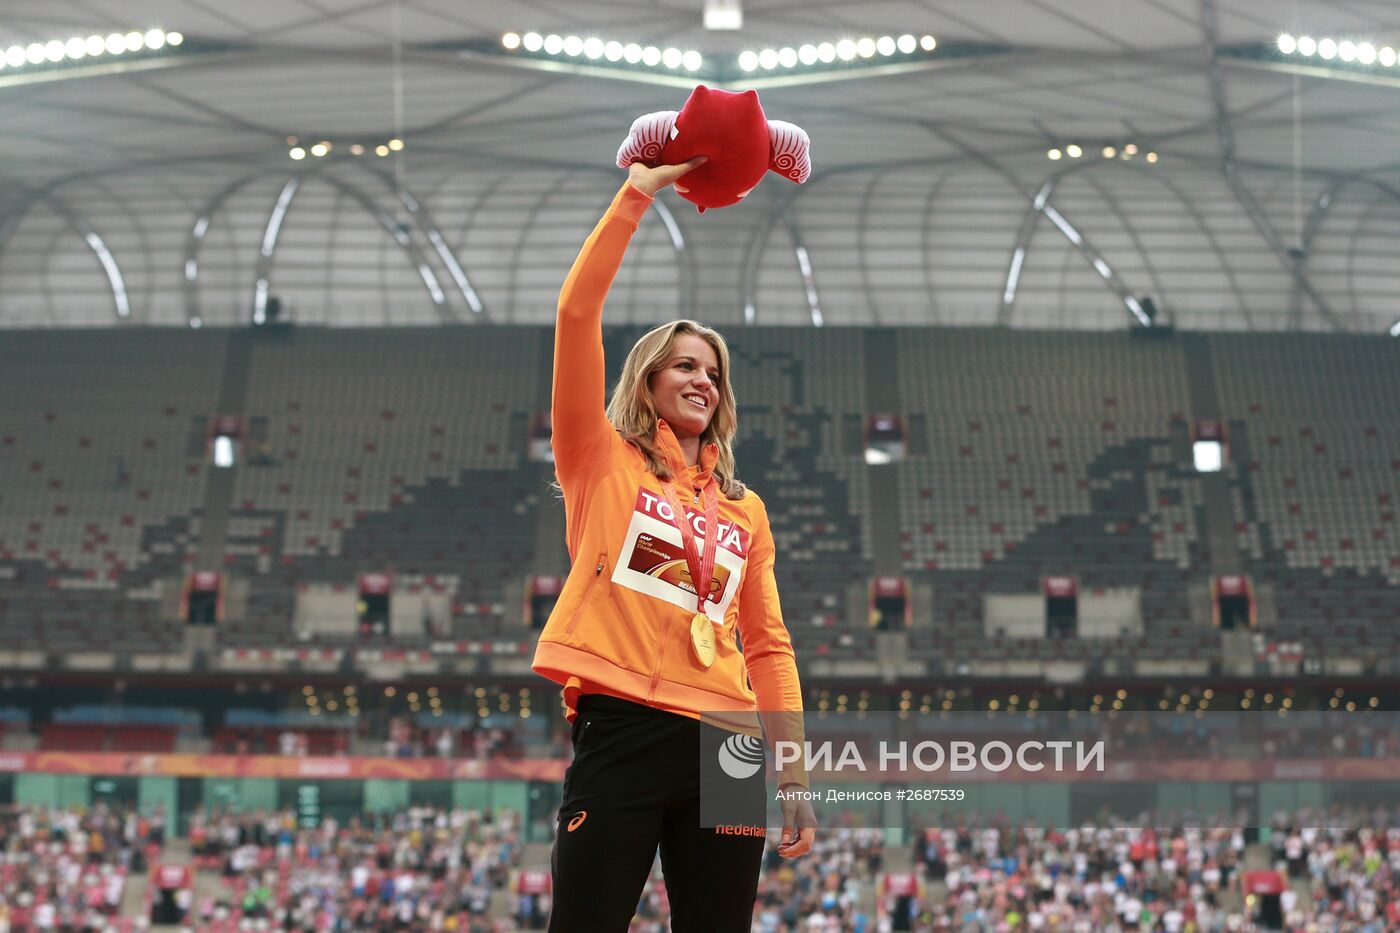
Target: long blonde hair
[{"x": 632, "y": 410}]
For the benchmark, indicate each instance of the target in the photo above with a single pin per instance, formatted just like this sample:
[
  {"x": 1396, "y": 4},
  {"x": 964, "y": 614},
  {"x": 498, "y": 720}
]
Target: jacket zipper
[
  {"x": 583, "y": 603},
  {"x": 660, "y": 654}
]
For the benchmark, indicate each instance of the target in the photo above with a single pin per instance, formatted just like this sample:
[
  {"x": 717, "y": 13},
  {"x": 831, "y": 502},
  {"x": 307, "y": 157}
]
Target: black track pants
[{"x": 634, "y": 785}]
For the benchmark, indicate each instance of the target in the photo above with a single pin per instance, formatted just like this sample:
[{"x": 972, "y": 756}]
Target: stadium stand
[
  {"x": 95, "y": 727},
  {"x": 403, "y": 451},
  {"x": 832, "y": 888},
  {"x": 1040, "y": 453},
  {"x": 1315, "y": 491},
  {"x": 62, "y": 869},
  {"x": 1102, "y": 877},
  {"x": 1092, "y": 877},
  {"x": 435, "y": 868},
  {"x": 800, "y": 391},
  {"x": 398, "y": 452},
  {"x": 992, "y": 875},
  {"x": 91, "y": 737},
  {"x": 410, "y": 869},
  {"x": 101, "y": 482}
]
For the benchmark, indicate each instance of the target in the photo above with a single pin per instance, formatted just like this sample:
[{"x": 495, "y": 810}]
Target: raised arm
[{"x": 578, "y": 405}]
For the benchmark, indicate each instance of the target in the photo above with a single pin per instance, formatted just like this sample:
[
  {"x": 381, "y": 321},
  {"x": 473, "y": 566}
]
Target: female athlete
[{"x": 656, "y": 517}]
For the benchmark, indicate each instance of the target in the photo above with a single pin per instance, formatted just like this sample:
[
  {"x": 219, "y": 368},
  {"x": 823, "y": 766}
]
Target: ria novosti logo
[{"x": 741, "y": 756}]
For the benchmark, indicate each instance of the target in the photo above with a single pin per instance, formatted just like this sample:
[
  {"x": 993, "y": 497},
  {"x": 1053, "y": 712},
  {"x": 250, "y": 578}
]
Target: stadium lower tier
[{"x": 422, "y": 867}]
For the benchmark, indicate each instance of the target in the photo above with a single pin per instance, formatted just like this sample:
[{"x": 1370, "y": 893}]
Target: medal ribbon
[{"x": 701, "y": 565}]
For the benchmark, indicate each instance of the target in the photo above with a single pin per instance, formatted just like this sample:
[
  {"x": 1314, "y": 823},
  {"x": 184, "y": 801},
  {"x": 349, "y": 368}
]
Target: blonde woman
[{"x": 655, "y": 517}]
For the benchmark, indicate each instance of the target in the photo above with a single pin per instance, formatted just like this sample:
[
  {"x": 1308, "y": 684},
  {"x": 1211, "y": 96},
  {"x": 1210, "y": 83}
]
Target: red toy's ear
[
  {"x": 790, "y": 151},
  {"x": 648, "y": 136}
]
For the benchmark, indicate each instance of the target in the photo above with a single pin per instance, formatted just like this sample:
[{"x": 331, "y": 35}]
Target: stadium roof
[{"x": 1262, "y": 159}]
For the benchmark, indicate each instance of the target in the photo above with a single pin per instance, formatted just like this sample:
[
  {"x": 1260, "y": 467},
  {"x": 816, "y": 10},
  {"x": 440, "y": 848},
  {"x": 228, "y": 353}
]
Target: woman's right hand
[{"x": 649, "y": 180}]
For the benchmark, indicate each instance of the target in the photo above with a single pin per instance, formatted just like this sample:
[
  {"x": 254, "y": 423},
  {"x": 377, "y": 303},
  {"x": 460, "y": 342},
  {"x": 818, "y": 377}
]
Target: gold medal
[{"x": 702, "y": 639}]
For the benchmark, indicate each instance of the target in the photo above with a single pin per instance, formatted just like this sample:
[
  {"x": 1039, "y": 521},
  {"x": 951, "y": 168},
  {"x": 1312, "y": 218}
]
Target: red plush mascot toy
[{"x": 731, "y": 131}]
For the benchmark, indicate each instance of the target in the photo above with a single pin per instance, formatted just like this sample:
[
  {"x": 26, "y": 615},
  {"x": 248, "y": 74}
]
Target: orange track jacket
[{"x": 622, "y": 624}]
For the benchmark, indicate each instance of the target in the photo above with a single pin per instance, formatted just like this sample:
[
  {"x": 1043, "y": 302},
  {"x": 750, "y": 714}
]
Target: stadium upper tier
[
  {"x": 405, "y": 451},
  {"x": 1048, "y": 453},
  {"x": 400, "y": 452},
  {"x": 1316, "y": 481},
  {"x": 102, "y": 481}
]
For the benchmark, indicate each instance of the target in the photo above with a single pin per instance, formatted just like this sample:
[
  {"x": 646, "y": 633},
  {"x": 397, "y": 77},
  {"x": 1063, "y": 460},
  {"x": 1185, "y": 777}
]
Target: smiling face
[{"x": 686, "y": 388}]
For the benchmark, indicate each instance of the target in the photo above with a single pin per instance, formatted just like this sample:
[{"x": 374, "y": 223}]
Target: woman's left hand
[{"x": 799, "y": 826}]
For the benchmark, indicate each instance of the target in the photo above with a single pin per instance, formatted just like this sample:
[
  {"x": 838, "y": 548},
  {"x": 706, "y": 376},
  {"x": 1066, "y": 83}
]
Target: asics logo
[{"x": 577, "y": 821}]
